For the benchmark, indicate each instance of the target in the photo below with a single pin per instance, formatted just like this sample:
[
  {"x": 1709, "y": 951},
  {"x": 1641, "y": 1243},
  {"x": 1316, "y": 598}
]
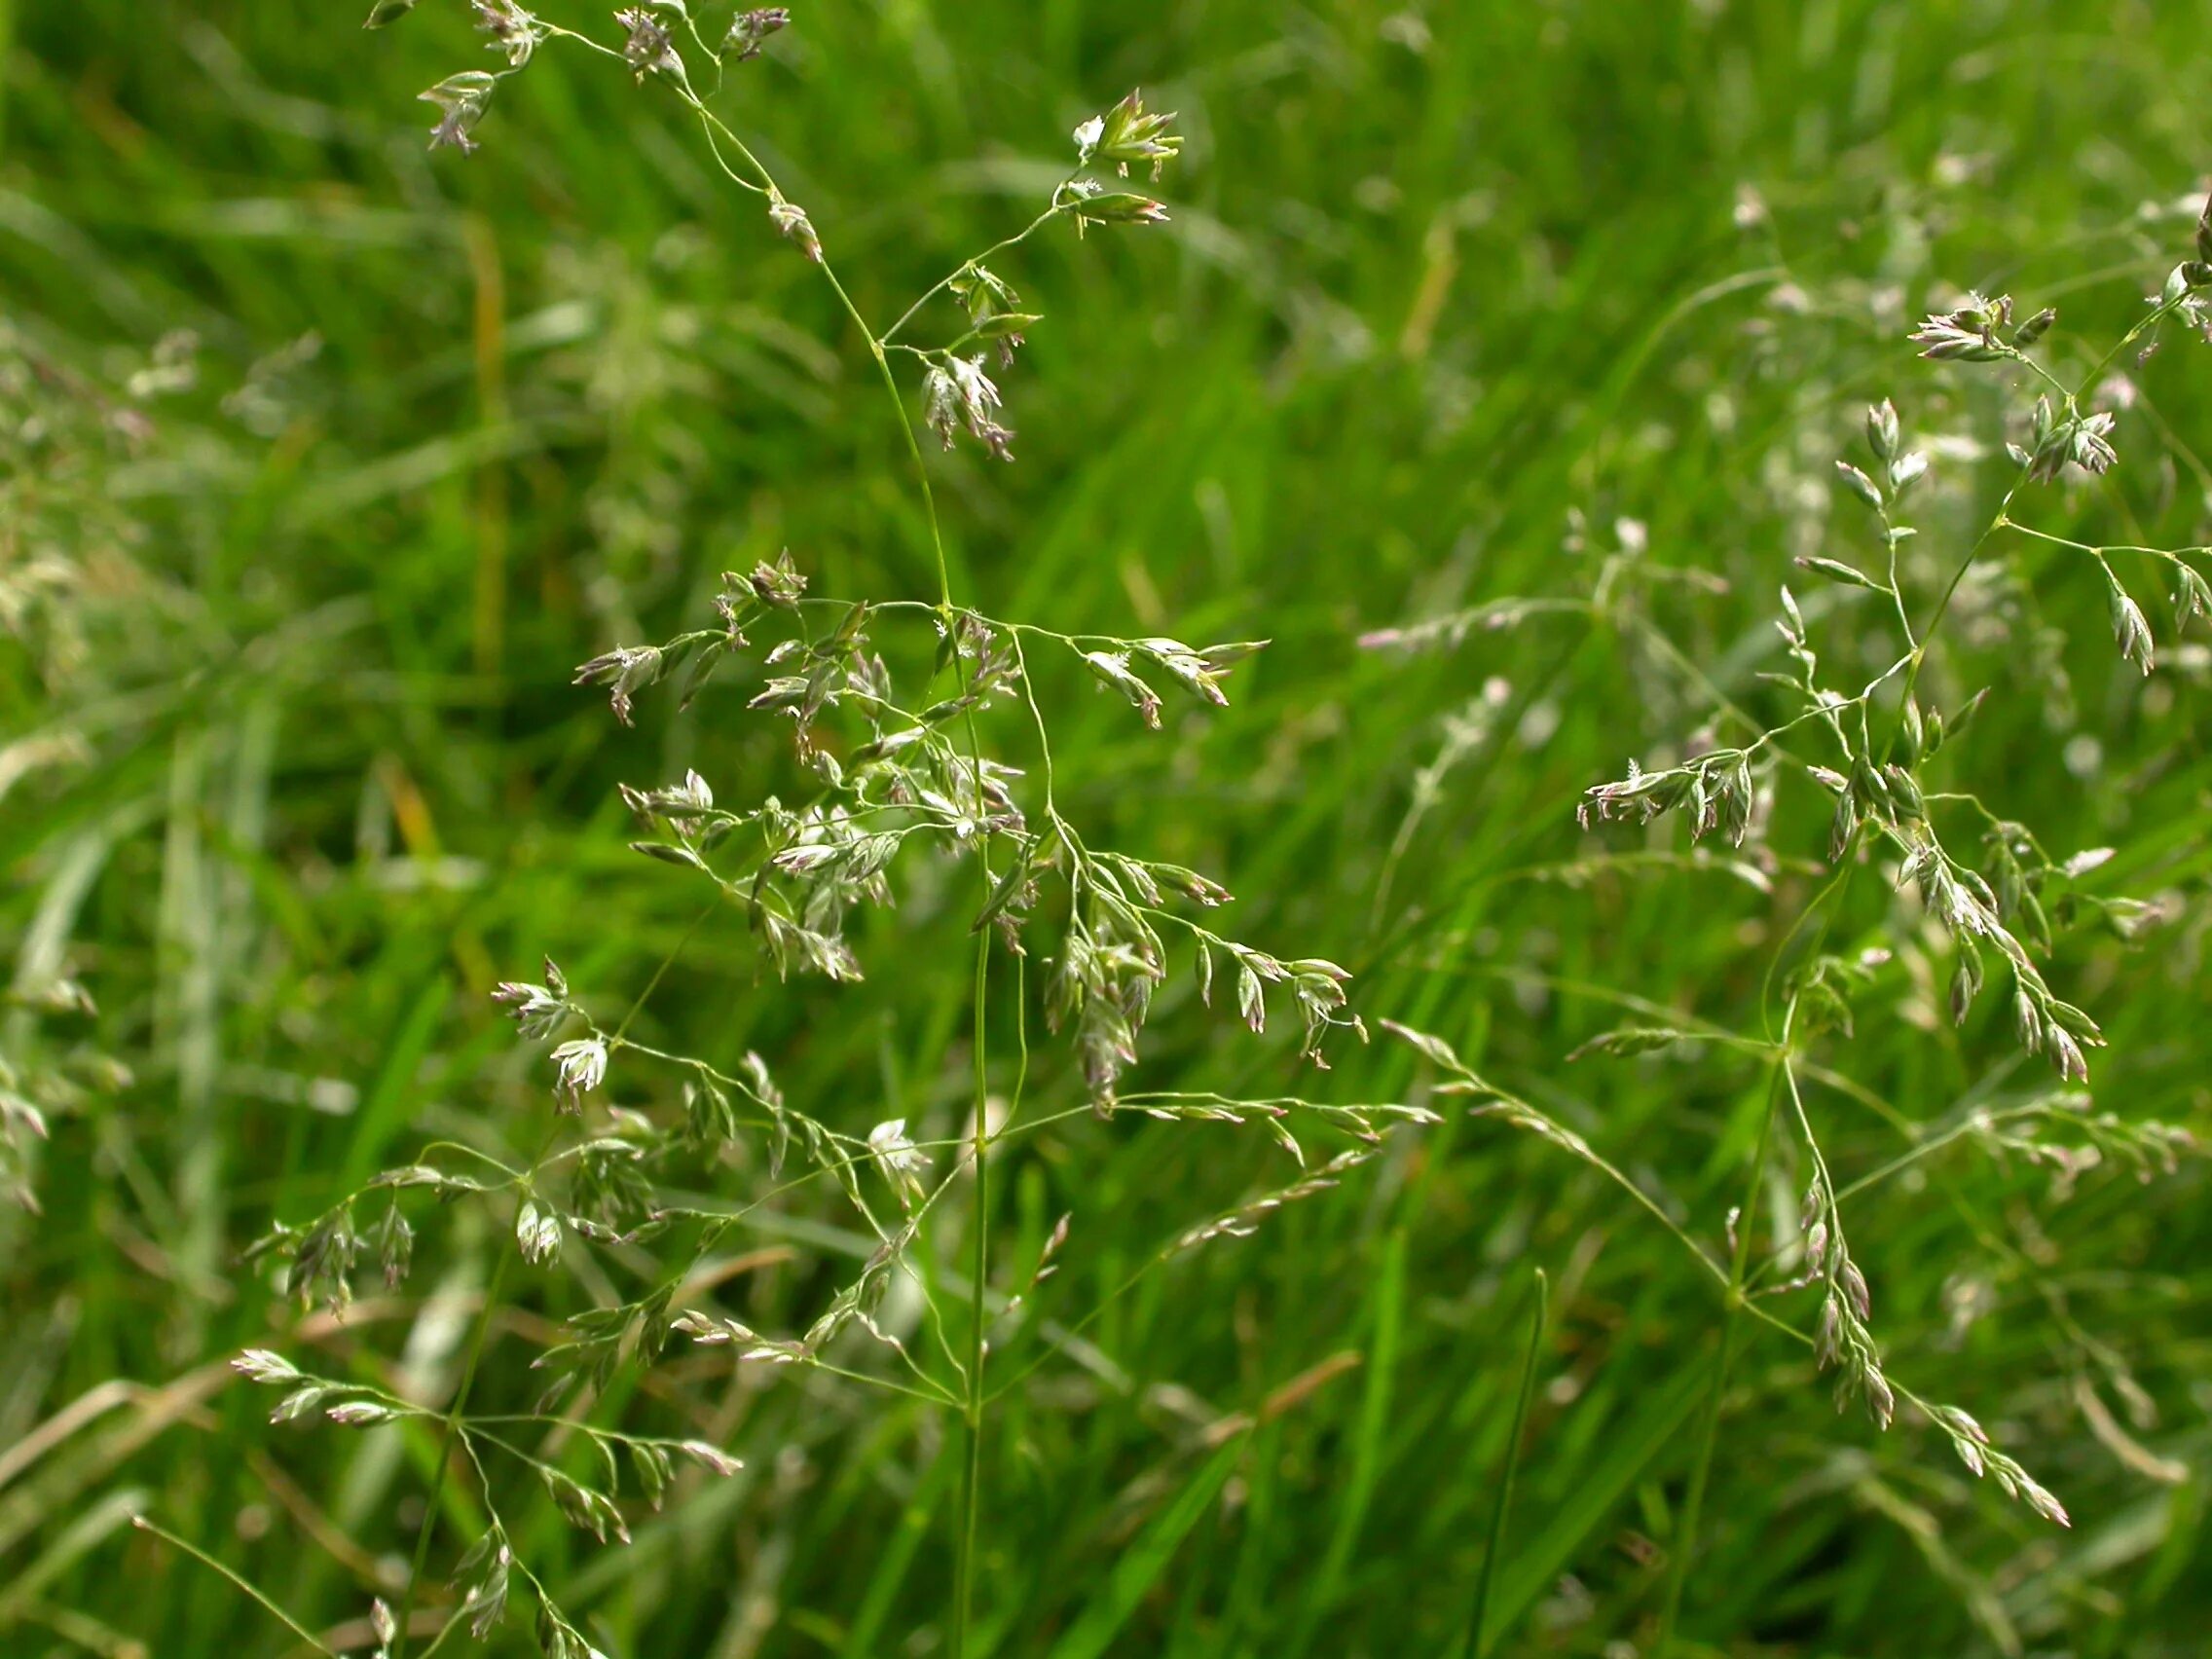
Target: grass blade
[
  {"x": 1141, "y": 1566},
  {"x": 1367, "y": 1459},
  {"x": 210, "y": 1562},
  {"x": 1476, "y": 1643}
]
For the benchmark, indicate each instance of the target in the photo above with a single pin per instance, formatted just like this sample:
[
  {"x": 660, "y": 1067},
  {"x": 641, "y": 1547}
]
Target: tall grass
[{"x": 1532, "y": 338}]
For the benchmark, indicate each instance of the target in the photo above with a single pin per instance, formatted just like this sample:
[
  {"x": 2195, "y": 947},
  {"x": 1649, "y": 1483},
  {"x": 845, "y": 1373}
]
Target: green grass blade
[
  {"x": 897, "y": 1557},
  {"x": 244, "y": 1586},
  {"x": 1389, "y": 1296},
  {"x": 1603, "y": 1480},
  {"x": 1141, "y": 1565},
  {"x": 1477, "y": 1644}
]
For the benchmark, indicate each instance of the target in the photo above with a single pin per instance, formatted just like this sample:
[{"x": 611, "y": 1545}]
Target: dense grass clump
[{"x": 1626, "y": 589}]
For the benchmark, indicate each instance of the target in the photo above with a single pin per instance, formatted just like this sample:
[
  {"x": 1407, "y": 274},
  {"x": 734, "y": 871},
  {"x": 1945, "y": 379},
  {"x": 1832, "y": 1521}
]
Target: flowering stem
[
  {"x": 453, "y": 1430},
  {"x": 943, "y": 282},
  {"x": 210, "y": 1562},
  {"x": 1739, "y": 1270},
  {"x": 980, "y": 1216},
  {"x": 1826, "y": 906},
  {"x": 979, "y": 1271},
  {"x": 1476, "y": 1644},
  {"x": 449, "y": 1432}
]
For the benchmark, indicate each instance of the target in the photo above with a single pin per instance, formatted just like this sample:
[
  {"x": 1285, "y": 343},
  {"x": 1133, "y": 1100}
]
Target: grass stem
[{"x": 1477, "y": 1642}]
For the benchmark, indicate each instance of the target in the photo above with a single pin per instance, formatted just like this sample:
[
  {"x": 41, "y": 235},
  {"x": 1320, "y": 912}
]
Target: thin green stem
[
  {"x": 1894, "y": 589},
  {"x": 943, "y": 282},
  {"x": 978, "y": 1269},
  {"x": 1975, "y": 1123},
  {"x": 450, "y": 1431},
  {"x": 1709, "y": 1433},
  {"x": 212, "y": 1565},
  {"x": 1477, "y": 1641},
  {"x": 2169, "y": 555},
  {"x": 980, "y": 1210},
  {"x": 460, "y": 1617}
]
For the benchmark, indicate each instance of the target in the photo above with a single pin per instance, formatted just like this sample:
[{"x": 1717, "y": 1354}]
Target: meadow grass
[{"x": 1458, "y": 308}]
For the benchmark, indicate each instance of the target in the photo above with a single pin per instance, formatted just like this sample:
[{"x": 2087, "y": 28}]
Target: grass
[{"x": 1436, "y": 281}]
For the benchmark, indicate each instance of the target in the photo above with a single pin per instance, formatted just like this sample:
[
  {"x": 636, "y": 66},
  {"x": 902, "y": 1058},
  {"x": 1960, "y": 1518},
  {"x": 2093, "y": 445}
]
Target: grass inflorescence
[{"x": 850, "y": 1126}]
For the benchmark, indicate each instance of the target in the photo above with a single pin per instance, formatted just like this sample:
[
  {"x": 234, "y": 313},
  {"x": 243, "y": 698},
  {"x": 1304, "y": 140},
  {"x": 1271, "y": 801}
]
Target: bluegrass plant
[
  {"x": 901, "y": 777},
  {"x": 843, "y": 1256},
  {"x": 899, "y": 772},
  {"x": 1879, "y": 762}
]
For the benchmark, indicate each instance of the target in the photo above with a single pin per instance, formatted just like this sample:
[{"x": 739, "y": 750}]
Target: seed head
[
  {"x": 513, "y": 30},
  {"x": 461, "y": 101},
  {"x": 1092, "y": 205},
  {"x": 903, "y": 1164},
  {"x": 1967, "y": 333},
  {"x": 1854, "y": 1284},
  {"x": 2066, "y": 1054},
  {"x": 260, "y": 1365},
  {"x": 1882, "y": 430},
  {"x": 749, "y": 28},
  {"x": 791, "y": 221},
  {"x": 2129, "y": 627},
  {"x": 580, "y": 1068},
  {"x": 538, "y": 1009},
  {"x": 955, "y": 390},
  {"x": 645, "y": 45},
  {"x": 1126, "y": 133},
  {"x": 624, "y": 670},
  {"x": 1881, "y": 1400}
]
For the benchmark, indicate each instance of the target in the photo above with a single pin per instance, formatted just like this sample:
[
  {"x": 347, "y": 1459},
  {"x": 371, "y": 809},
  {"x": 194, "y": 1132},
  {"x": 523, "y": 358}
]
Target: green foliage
[{"x": 1499, "y": 366}]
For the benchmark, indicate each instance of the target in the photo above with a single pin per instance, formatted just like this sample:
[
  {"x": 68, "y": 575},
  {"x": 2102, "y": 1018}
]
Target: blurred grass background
[{"x": 328, "y": 458}]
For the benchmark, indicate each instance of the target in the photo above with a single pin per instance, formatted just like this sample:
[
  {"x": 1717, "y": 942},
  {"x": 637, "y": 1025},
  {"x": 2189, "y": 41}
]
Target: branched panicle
[
  {"x": 1716, "y": 787},
  {"x": 906, "y": 773},
  {"x": 1885, "y": 800},
  {"x": 1982, "y": 881},
  {"x": 749, "y": 30},
  {"x": 1877, "y": 776},
  {"x": 901, "y": 778}
]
